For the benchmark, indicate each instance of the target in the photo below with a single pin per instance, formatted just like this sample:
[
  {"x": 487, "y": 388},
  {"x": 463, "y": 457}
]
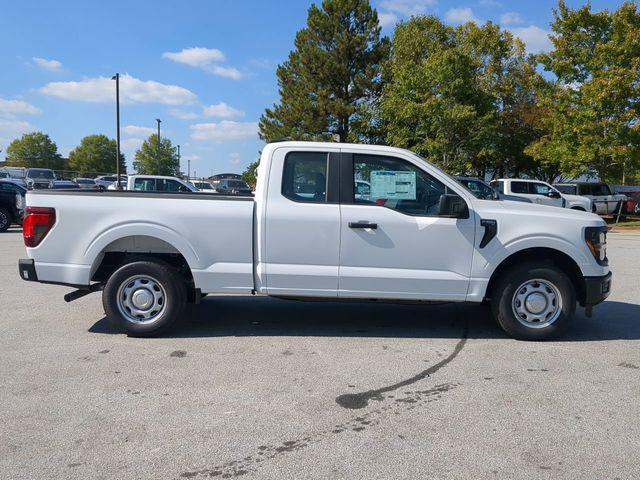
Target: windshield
[
  {"x": 237, "y": 184},
  {"x": 35, "y": 173},
  {"x": 567, "y": 189},
  {"x": 478, "y": 188}
]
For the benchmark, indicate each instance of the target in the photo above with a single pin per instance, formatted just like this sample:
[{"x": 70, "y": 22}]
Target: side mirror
[
  {"x": 553, "y": 194},
  {"x": 452, "y": 206}
]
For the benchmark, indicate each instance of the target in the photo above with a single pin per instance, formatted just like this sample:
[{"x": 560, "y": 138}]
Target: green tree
[
  {"x": 592, "y": 113},
  {"x": 250, "y": 174},
  {"x": 35, "y": 150},
  {"x": 460, "y": 96},
  {"x": 331, "y": 77},
  {"x": 149, "y": 160},
  {"x": 96, "y": 154}
]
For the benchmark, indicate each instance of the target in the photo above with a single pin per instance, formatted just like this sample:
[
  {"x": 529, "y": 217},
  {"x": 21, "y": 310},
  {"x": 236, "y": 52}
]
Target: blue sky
[{"x": 206, "y": 68}]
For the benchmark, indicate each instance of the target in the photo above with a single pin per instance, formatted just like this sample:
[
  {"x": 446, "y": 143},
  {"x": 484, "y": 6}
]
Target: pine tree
[{"x": 332, "y": 76}]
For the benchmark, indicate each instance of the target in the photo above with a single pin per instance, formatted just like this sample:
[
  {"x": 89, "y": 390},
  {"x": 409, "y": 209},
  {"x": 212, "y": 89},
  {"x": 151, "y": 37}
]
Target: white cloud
[
  {"x": 14, "y": 128},
  {"x": 207, "y": 59},
  {"x": 234, "y": 158},
  {"x": 17, "y": 107},
  {"x": 407, "y": 7},
  {"x": 196, "y": 56},
  {"x": 130, "y": 145},
  {"x": 224, "y": 130},
  {"x": 387, "y": 19},
  {"x": 135, "y": 130},
  {"x": 460, "y": 15},
  {"x": 50, "y": 65},
  {"x": 183, "y": 115},
  {"x": 132, "y": 90},
  {"x": 536, "y": 39},
  {"x": 221, "y": 110},
  {"x": 510, "y": 18}
]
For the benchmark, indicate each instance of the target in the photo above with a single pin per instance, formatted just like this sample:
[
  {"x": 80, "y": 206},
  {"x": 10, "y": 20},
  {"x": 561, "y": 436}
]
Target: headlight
[{"x": 596, "y": 239}]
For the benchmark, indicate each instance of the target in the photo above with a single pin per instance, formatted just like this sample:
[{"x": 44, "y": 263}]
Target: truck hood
[
  {"x": 536, "y": 212},
  {"x": 578, "y": 200}
]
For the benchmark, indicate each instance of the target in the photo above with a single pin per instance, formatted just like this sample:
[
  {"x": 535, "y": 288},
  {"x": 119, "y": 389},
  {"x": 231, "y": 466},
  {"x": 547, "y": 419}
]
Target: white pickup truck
[
  {"x": 542, "y": 193},
  {"x": 418, "y": 236}
]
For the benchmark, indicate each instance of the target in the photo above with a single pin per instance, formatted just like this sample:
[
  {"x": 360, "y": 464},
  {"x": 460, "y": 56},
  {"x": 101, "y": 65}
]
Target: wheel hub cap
[
  {"x": 141, "y": 299},
  {"x": 537, "y": 303}
]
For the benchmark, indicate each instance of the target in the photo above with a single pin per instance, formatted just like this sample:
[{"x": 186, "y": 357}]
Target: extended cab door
[
  {"x": 394, "y": 244},
  {"x": 302, "y": 227}
]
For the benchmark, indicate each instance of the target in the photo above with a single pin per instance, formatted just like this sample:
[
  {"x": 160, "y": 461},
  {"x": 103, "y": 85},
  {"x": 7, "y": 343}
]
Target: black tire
[
  {"x": 503, "y": 302},
  {"x": 5, "y": 220},
  {"x": 162, "y": 283}
]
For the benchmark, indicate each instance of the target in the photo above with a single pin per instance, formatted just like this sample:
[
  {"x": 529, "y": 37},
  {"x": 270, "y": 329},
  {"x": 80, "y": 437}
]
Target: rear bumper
[
  {"x": 27, "y": 269},
  {"x": 77, "y": 276},
  {"x": 597, "y": 289}
]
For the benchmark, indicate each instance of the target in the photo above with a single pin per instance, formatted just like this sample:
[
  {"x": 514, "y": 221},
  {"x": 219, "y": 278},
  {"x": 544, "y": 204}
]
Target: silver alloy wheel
[
  {"x": 141, "y": 299},
  {"x": 537, "y": 303}
]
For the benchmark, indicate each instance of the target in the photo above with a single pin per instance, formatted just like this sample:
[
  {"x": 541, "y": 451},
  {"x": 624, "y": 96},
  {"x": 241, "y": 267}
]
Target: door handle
[{"x": 372, "y": 226}]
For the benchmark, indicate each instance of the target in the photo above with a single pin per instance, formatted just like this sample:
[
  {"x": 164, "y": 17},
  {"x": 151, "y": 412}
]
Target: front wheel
[
  {"x": 144, "y": 298},
  {"x": 534, "y": 301}
]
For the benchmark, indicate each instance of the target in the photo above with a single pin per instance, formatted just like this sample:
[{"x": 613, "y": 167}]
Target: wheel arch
[{"x": 542, "y": 254}]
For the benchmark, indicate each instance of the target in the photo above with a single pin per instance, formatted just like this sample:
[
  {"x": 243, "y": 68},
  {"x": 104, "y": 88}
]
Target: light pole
[
  {"x": 116, "y": 77},
  {"x": 179, "y": 161},
  {"x": 158, "y": 149}
]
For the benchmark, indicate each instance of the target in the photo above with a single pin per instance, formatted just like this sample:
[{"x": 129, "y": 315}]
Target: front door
[
  {"x": 302, "y": 233},
  {"x": 541, "y": 193},
  {"x": 393, "y": 243}
]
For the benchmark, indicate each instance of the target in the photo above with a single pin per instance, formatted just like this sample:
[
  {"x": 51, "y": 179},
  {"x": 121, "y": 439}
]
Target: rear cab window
[{"x": 304, "y": 177}]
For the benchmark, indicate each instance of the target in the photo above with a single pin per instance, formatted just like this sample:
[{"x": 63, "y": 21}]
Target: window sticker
[{"x": 393, "y": 185}]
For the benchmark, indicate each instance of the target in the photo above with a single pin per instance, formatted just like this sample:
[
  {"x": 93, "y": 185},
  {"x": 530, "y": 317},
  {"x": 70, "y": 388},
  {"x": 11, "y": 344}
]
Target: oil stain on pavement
[{"x": 389, "y": 405}]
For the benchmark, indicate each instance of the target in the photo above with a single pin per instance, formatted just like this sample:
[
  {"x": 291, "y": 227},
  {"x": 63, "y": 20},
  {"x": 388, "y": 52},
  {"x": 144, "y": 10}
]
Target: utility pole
[
  {"x": 158, "y": 148},
  {"x": 116, "y": 77},
  {"x": 179, "y": 161}
]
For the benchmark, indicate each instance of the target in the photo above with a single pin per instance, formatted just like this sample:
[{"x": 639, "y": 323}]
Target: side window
[
  {"x": 172, "y": 186},
  {"x": 397, "y": 184},
  {"x": 304, "y": 178},
  {"x": 540, "y": 188},
  {"x": 144, "y": 184},
  {"x": 520, "y": 187}
]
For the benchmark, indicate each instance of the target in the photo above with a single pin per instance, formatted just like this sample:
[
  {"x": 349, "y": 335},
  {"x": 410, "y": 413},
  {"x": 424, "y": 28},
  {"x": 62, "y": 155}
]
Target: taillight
[{"x": 36, "y": 224}]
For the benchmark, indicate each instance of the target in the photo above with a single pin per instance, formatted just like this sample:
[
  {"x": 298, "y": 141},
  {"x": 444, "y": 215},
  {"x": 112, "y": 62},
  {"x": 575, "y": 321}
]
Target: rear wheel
[
  {"x": 534, "y": 301},
  {"x": 5, "y": 219},
  {"x": 144, "y": 298}
]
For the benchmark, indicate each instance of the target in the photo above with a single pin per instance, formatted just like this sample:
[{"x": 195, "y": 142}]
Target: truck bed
[{"x": 212, "y": 232}]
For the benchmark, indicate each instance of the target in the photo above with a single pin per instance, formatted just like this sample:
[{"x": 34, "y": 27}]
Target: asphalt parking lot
[{"x": 263, "y": 388}]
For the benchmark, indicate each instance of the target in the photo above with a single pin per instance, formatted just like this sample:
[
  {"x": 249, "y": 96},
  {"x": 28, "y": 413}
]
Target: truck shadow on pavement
[{"x": 220, "y": 316}]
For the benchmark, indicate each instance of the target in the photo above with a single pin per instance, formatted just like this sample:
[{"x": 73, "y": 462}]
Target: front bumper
[{"x": 596, "y": 289}]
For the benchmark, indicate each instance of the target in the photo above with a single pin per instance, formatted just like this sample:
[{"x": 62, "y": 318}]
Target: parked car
[
  {"x": 202, "y": 186},
  {"x": 484, "y": 191},
  {"x": 39, "y": 178},
  {"x": 86, "y": 183},
  {"x": 603, "y": 200},
  {"x": 158, "y": 183},
  {"x": 104, "y": 181},
  {"x": 233, "y": 187},
  {"x": 13, "y": 172},
  {"x": 63, "y": 183},
  {"x": 420, "y": 237},
  {"x": 541, "y": 193},
  {"x": 12, "y": 202},
  {"x": 123, "y": 185}
]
